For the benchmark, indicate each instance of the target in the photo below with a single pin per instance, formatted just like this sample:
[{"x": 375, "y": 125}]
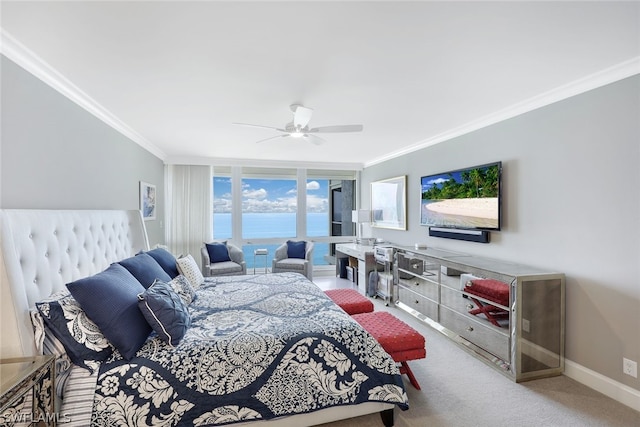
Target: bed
[{"x": 261, "y": 350}]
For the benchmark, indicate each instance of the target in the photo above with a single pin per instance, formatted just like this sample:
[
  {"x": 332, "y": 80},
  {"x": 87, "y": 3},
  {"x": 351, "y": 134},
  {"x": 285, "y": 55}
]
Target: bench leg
[
  {"x": 387, "y": 417},
  {"x": 405, "y": 369},
  {"x": 488, "y": 310}
]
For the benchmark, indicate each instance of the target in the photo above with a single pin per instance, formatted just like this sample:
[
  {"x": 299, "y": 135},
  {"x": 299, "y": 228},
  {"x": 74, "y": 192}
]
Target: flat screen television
[{"x": 463, "y": 199}]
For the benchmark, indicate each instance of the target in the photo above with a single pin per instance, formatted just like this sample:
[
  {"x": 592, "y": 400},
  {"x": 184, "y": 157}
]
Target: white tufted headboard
[{"x": 43, "y": 250}]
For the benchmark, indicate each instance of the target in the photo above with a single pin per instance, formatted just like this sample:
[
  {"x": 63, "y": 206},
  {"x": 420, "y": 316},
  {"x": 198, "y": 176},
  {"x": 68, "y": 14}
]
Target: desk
[{"x": 366, "y": 261}]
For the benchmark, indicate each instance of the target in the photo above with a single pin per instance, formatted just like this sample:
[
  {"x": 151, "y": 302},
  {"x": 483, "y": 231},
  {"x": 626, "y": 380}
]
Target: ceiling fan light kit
[{"x": 299, "y": 127}]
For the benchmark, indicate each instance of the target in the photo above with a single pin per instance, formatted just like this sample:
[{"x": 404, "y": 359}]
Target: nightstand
[{"x": 21, "y": 376}]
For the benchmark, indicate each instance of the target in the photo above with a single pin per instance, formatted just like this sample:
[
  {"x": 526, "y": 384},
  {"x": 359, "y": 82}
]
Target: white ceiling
[{"x": 176, "y": 75}]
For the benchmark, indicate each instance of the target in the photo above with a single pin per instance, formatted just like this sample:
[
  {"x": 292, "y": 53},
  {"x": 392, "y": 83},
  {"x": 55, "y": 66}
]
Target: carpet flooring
[{"x": 459, "y": 390}]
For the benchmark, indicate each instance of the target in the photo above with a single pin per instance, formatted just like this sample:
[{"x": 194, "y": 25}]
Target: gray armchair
[
  {"x": 281, "y": 261},
  {"x": 234, "y": 266}
]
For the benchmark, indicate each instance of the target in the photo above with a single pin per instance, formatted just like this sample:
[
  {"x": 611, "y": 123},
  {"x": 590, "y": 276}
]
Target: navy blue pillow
[
  {"x": 110, "y": 299},
  {"x": 165, "y": 312},
  {"x": 218, "y": 252},
  {"x": 166, "y": 260},
  {"x": 145, "y": 269},
  {"x": 296, "y": 249}
]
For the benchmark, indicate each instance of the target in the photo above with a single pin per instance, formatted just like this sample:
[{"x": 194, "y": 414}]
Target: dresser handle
[{"x": 469, "y": 328}]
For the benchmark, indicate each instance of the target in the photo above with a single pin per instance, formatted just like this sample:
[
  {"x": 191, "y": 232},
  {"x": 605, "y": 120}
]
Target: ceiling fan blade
[
  {"x": 336, "y": 129},
  {"x": 314, "y": 139},
  {"x": 301, "y": 116},
  {"x": 273, "y": 137},
  {"x": 259, "y": 126}
]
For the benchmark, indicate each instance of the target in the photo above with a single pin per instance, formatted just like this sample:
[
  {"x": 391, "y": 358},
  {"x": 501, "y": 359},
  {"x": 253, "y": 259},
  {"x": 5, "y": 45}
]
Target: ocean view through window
[
  {"x": 274, "y": 225},
  {"x": 270, "y": 213},
  {"x": 269, "y": 208}
]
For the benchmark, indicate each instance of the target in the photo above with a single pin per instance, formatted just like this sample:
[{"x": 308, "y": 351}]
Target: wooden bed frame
[{"x": 43, "y": 250}]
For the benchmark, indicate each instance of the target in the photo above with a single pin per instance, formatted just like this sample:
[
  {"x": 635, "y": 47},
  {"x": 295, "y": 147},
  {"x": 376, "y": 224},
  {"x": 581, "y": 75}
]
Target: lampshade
[{"x": 361, "y": 216}]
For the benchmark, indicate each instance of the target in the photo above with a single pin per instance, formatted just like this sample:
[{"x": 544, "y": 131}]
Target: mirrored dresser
[{"x": 509, "y": 315}]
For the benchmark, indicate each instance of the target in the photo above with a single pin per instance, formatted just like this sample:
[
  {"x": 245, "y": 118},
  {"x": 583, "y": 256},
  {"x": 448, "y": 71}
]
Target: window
[
  {"x": 277, "y": 205},
  {"x": 269, "y": 208},
  {"x": 222, "y": 208},
  {"x": 318, "y": 219}
]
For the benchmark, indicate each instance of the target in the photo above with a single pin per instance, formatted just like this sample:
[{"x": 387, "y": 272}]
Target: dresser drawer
[
  {"x": 454, "y": 300},
  {"x": 423, "y": 287},
  {"x": 410, "y": 264},
  {"x": 490, "y": 339},
  {"x": 418, "y": 302}
]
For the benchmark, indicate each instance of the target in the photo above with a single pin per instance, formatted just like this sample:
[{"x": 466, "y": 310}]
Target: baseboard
[{"x": 617, "y": 391}]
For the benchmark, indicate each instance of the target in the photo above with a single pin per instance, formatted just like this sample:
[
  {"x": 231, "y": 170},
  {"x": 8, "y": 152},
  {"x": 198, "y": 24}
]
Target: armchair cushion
[
  {"x": 225, "y": 268},
  {"x": 296, "y": 249},
  {"x": 291, "y": 264},
  {"x": 218, "y": 252}
]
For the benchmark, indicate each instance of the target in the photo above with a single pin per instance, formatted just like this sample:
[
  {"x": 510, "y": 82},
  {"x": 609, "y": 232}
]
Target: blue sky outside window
[{"x": 269, "y": 209}]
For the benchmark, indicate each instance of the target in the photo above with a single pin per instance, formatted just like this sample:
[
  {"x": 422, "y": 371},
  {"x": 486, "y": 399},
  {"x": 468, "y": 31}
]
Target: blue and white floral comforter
[{"x": 259, "y": 347}]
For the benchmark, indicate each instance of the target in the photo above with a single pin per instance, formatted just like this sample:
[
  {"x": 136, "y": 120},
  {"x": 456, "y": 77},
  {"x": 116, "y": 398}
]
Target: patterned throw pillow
[
  {"x": 47, "y": 343},
  {"x": 165, "y": 312},
  {"x": 189, "y": 269},
  {"x": 183, "y": 288},
  {"x": 80, "y": 336}
]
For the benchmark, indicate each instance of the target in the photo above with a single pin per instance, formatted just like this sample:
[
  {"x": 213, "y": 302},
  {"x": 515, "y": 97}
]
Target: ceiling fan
[{"x": 299, "y": 127}]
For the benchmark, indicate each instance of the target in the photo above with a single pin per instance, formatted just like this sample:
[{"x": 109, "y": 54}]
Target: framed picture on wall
[
  {"x": 148, "y": 200},
  {"x": 389, "y": 203}
]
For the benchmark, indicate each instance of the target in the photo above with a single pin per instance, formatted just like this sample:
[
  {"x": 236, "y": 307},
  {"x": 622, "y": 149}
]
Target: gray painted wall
[
  {"x": 571, "y": 174},
  {"x": 56, "y": 155},
  {"x": 571, "y": 193}
]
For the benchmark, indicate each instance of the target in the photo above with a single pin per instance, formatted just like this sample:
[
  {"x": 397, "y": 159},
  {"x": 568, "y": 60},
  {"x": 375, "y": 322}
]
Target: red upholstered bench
[
  {"x": 492, "y": 290},
  {"x": 397, "y": 338},
  {"x": 350, "y": 300}
]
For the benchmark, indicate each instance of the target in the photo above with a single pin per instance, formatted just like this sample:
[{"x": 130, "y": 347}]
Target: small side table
[
  {"x": 260, "y": 253},
  {"x": 21, "y": 376}
]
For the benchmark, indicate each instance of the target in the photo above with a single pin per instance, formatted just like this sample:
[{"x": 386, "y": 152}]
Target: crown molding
[
  {"x": 593, "y": 81},
  {"x": 290, "y": 164},
  {"x": 25, "y": 58}
]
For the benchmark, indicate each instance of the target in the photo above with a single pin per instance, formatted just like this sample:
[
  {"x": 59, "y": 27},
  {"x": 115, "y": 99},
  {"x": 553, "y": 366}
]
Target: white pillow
[{"x": 189, "y": 269}]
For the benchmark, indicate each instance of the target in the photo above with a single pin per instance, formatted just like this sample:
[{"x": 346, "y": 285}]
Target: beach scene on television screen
[{"x": 465, "y": 199}]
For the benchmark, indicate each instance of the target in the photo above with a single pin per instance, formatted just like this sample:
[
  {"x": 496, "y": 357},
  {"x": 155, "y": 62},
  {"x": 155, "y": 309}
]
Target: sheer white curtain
[{"x": 189, "y": 208}]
